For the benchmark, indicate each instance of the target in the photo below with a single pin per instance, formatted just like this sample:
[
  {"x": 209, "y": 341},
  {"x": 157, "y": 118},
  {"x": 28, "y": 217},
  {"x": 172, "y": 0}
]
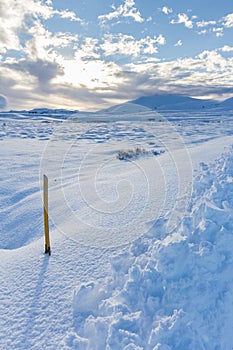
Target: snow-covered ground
[{"x": 141, "y": 247}]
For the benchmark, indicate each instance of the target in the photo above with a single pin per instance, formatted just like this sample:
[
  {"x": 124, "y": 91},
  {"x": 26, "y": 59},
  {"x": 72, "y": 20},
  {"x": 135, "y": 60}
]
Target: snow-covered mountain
[
  {"x": 144, "y": 104},
  {"x": 174, "y": 102},
  {"x": 128, "y": 107},
  {"x": 227, "y": 104},
  {"x": 163, "y": 102}
]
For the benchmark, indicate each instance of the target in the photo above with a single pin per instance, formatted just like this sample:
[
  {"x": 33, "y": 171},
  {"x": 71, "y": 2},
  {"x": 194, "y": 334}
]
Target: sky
[{"x": 89, "y": 54}]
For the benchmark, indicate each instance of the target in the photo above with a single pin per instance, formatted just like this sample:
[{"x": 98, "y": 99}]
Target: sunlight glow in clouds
[
  {"x": 92, "y": 74},
  {"x": 85, "y": 56}
]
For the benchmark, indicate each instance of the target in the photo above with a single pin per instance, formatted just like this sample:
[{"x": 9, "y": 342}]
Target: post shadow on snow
[{"x": 35, "y": 309}]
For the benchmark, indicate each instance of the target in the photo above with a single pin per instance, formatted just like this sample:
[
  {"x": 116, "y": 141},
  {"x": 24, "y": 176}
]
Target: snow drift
[{"x": 169, "y": 292}]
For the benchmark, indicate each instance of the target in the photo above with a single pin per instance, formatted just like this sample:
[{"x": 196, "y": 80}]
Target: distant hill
[
  {"x": 174, "y": 102},
  {"x": 52, "y": 111},
  {"x": 227, "y": 104},
  {"x": 127, "y": 107},
  {"x": 160, "y": 102},
  {"x": 45, "y": 111}
]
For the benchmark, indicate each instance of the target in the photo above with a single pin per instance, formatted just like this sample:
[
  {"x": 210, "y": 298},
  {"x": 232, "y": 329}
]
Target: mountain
[
  {"x": 174, "y": 102},
  {"x": 227, "y": 104},
  {"x": 127, "y": 107}
]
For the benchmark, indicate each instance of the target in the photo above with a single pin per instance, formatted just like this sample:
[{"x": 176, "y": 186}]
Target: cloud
[
  {"x": 20, "y": 22},
  {"x": 44, "y": 71},
  {"x": 212, "y": 61},
  {"x": 218, "y": 31},
  {"x": 13, "y": 18},
  {"x": 179, "y": 43},
  {"x": 160, "y": 39},
  {"x": 127, "y": 45},
  {"x": 203, "y": 24},
  {"x": 202, "y": 32},
  {"x": 127, "y": 10},
  {"x": 88, "y": 50},
  {"x": 226, "y": 48},
  {"x": 37, "y": 73},
  {"x": 167, "y": 10},
  {"x": 44, "y": 75},
  {"x": 209, "y": 73},
  {"x": 69, "y": 15},
  {"x": 183, "y": 18},
  {"x": 41, "y": 84},
  {"x": 44, "y": 45},
  {"x": 227, "y": 21}
]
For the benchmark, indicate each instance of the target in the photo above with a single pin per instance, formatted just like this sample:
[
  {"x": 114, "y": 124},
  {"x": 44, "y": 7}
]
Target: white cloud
[
  {"x": 213, "y": 62},
  {"x": 179, "y": 43},
  {"x": 167, "y": 10},
  {"x": 160, "y": 39},
  {"x": 202, "y": 32},
  {"x": 125, "y": 10},
  {"x": 183, "y": 18},
  {"x": 226, "y": 48},
  {"x": 208, "y": 72},
  {"x": 127, "y": 45},
  {"x": 88, "y": 50},
  {"x": 45, "y": 45},
  {"x": 218, "y": 31},
  {"x": 227, "y": 21},
  {"x": 203, "y": 24},
  {"x": 18, "y": 19},
  {"x": 69, "y": 15},
  {"x": 12, "y": 21}
]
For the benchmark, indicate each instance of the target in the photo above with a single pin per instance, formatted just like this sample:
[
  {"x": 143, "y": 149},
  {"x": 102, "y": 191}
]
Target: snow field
[
  {"x": 163, "y": 282},
  {"x": 112, "y": 201}
]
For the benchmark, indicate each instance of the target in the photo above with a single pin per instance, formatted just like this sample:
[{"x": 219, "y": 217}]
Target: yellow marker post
[{"x": 46, "y": 216}]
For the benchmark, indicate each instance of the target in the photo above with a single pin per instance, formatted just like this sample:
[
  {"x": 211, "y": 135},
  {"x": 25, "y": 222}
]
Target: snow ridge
[{"x": 159, "y": 294}]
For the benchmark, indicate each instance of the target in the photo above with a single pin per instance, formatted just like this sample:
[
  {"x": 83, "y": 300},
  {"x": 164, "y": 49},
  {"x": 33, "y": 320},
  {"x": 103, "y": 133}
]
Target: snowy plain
[{"x": 141, "y": 248}]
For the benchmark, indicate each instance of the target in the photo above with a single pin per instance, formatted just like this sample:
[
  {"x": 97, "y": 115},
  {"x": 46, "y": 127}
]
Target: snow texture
[
  {"x": 173, "y": 292},
  {"x": 141, "y": 249}
]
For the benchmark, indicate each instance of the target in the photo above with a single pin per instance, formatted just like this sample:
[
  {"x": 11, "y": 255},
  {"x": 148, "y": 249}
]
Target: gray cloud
[{"x": 44, "y": 71}]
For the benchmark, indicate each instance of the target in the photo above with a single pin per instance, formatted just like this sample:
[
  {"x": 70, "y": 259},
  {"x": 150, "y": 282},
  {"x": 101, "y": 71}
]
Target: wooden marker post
[{"x": 46, "y": 217}]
